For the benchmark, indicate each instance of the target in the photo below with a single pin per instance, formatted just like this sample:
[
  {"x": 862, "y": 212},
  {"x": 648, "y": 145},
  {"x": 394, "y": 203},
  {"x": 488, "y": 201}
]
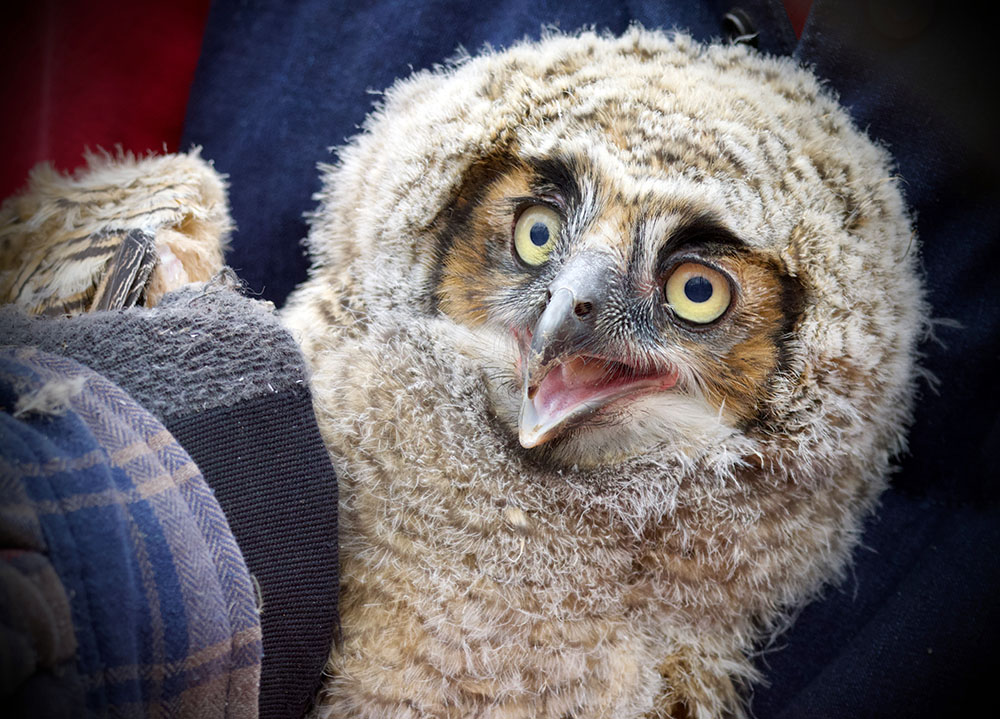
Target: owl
[{"x": 613, "y": 341}]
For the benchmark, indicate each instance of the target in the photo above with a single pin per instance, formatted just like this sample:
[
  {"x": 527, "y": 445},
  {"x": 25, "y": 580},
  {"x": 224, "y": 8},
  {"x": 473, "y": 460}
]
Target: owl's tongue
[{"x": 577, "y": 388}]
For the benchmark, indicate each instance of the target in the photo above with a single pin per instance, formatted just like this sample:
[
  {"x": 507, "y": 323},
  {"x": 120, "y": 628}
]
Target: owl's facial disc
[{"x": 564, "y": 381}]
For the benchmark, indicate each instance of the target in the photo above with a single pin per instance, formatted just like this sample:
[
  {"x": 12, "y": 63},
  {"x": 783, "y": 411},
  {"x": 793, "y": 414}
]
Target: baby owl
[{"x": 613, "y": 340}]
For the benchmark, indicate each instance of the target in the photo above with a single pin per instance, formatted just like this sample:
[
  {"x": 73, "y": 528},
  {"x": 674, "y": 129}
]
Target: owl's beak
[{"x": 565, "y": 375}]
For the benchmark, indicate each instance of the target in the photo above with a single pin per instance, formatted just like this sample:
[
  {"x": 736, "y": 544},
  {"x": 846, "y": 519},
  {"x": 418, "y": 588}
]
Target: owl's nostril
[{"x": 582, "y": 309}]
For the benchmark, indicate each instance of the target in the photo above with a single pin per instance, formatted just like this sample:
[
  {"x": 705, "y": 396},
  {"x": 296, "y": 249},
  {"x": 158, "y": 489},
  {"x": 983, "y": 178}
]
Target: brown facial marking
[
  {"x": 736, "y": 376},
  {"x": 474, "y": 234}
]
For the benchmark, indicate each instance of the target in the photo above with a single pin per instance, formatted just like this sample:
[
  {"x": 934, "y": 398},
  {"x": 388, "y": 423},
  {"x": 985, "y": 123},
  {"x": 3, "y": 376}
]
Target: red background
[{"x": 79, "y": 74}]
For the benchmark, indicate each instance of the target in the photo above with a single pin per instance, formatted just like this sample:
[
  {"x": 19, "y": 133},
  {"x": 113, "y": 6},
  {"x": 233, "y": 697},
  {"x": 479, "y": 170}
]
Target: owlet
[{"x": 613, "y": 341}]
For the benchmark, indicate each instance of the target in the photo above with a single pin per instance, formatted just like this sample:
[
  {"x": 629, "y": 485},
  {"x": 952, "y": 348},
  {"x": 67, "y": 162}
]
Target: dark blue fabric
[
  {"x": 921, "y": 80},
  {"x": 907, "y": 633}
]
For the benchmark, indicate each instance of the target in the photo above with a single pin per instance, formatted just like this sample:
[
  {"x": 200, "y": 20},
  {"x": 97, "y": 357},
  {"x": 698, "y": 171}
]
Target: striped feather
[{"x": 91, "y": 241}]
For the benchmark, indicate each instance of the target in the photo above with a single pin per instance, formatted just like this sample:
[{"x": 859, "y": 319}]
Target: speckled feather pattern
[{"x": 481, "y": 579}]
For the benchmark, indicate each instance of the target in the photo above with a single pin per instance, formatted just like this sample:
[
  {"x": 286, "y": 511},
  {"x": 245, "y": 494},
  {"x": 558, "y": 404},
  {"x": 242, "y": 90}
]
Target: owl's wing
[
  {"x": 128, "y": 271},
  {"x": 120, "y": 232},
  {"x": 101, "y": 271}
]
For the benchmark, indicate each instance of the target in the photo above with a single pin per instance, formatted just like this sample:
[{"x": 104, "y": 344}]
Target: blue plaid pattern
[{"x": 161, "y": 603}]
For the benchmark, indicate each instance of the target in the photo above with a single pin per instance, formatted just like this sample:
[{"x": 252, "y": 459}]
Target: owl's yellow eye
[
  {"x": 535, "y": 234},
  {"x": 698, "y": 293}
]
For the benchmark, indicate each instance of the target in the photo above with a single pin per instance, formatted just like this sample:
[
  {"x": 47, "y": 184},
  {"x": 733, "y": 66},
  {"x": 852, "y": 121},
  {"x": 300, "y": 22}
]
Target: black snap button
[{"x": 739, "y": 27}]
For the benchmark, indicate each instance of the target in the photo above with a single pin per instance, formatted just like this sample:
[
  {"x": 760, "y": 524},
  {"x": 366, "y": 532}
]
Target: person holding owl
[{"x": 614, "y": 343}]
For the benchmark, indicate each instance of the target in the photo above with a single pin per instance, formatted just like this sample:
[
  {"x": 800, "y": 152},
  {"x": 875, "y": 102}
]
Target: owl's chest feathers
[
  {"x": 486, "y": 588},
  {"x": 445, "y": 535},
  {"x": 487, "y": 599}
]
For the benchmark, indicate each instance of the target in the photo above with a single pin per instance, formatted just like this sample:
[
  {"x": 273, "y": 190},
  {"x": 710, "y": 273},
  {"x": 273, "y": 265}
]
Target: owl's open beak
[{"x": 565, "y": 375}]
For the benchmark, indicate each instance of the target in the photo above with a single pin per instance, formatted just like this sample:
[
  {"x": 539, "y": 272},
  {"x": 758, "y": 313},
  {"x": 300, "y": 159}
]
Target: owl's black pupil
[
  {"x": 539, "y": 234},
  {"x": 698, "y": 289}
]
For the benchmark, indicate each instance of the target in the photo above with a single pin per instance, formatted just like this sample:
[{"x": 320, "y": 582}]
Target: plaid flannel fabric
[{"x": 120, "y": 581}]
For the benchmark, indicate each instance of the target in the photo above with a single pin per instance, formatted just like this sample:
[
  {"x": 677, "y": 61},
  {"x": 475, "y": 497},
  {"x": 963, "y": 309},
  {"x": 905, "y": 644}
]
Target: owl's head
[{"x": 644, "y": 244}]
